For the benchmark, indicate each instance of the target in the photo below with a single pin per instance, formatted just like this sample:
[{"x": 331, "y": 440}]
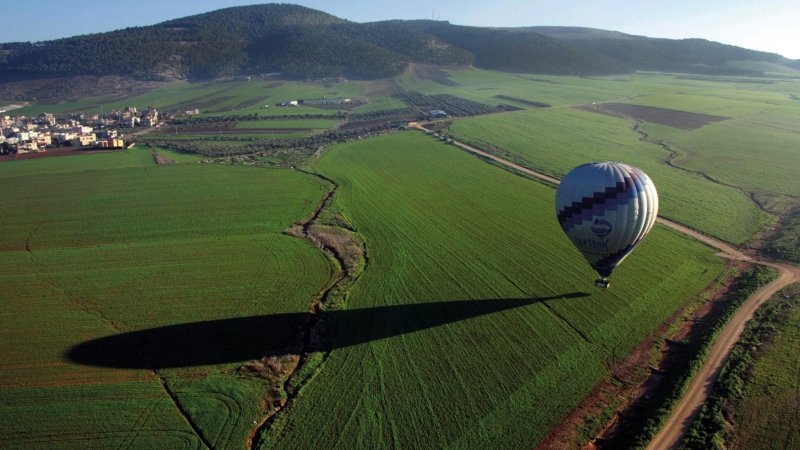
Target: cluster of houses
[{"x": 43, "y": 131}]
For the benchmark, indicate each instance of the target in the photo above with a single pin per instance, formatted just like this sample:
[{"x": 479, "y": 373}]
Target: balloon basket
[{"x": 602, "y": 283}]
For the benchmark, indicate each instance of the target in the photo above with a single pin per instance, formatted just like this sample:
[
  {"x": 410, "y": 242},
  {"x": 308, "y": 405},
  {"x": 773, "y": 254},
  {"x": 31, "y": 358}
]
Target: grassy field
[
  {"x": 139, "y": 156},
  {"x": 245, "y": 97},
  {"x": 730, "y": 151},
  {"x": 476, "y": 323},
  {"x": 84, "y": 161},
  {"x": 499, "y": 331},
  {"x": 381, "y": 103},
  {"x": 766, "y": 414},
  {"x": 484, "y": 85},
  {"x": 178, "y": 157},
  {"x": 556, "y": 140},
  {"x": 762, "y": 129},
  {"x": 212, "y": 98},
  {"x": 100, "y": 247}
]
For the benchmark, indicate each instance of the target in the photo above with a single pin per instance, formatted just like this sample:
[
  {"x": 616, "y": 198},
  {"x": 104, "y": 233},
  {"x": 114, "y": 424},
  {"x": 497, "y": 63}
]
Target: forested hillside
[
  {"x": 299, "y": 42},
  {"x": 644, "y": 53}
]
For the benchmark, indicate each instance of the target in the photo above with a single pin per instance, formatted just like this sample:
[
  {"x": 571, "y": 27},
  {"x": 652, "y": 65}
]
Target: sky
[{"x": 767, "y": 25}]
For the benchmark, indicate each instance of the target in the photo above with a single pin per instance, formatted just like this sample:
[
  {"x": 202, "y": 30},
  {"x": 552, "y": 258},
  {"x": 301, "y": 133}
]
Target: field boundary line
[
  {"x": 185, "y": 414},
  {"x": 343, "y": 276},
  {"x": 698, "y": 389},
  {"x": 89, "y": 309}
]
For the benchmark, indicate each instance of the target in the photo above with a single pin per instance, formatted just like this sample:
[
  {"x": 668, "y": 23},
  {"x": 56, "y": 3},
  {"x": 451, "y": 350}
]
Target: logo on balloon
[{"x": 601, "y": 227}]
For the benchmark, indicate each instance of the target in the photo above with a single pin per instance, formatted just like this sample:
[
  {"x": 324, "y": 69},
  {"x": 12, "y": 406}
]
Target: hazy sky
[{"x": 769, "y": 25}]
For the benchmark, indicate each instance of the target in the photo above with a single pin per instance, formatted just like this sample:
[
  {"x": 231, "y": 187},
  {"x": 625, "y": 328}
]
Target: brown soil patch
[
  {"x": 532, "y": 103},
  {"x": 671, "y": 117},
  {"x": 375, "y": 122},
  {"x": 229, "y": 127},
  {"x": 246, "y": 131},
  {"x": 52, "y": 153},
  {"x": 381, "y": 87},
  {"x": 160, "y": 159},
  {"x": 677, "y": 352}
]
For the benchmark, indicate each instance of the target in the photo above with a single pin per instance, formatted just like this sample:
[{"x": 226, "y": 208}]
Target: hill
[
  {"x": 296, "y": 41},
  {"x": 521, "y": 50},
  {"x": 682, "y": 55},
  {"x": 300, "y": 42}
]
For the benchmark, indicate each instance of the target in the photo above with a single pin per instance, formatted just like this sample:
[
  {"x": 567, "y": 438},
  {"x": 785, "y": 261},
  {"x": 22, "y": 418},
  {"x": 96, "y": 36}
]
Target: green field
[
  {"x": 483, "y": 85},
  {"x": 556, "y": 140},
  {"x": 139, "y": 156},
  {"x": 212, "y": 98},
  {"x": 756, "y": 151},
  {"x": 94, "y": 252},
  {"x": 443, "y": 227},
  {"x": 83, "y": 161},
  {"x": 178, "y": 157},
  {"x": 381, "y": 103},
  {"x": 730, "y": 151},
  {"x": 753, "y": 149},
  {"x": 475, "y": 324},
  {"x": 766, "y": 413}
]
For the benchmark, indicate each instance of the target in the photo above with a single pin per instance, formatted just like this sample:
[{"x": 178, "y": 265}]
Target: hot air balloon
[{"x": 606, "y": 209}]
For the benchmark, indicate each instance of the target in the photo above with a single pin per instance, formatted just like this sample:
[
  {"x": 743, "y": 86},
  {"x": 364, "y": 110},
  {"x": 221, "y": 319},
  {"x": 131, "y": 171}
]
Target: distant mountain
[
  {"x": 644, "y": 53},
  {"x": 794, "y": 64},
  {"x": 521, "y": 50},
  {"x": 294, "y": 40},
  {"x": 571, "y": 33},
  {"x": 304, "y": 43}
]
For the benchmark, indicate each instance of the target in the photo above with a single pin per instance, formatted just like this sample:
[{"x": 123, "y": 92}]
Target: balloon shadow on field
[{"x": 245, "y": 338}]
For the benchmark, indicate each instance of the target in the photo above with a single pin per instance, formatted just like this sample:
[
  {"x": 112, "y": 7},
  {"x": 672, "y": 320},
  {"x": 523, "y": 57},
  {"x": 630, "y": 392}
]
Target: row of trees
[{"x": 216, "y": 146}]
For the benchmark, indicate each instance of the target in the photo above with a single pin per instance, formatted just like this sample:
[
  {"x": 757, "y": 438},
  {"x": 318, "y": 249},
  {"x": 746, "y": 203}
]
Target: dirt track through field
[{"x": 700, "y": 387}]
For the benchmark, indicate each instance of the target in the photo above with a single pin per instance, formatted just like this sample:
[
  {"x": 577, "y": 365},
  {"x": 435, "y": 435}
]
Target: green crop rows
[
  {"x": 212, "y": 98},
  {"x": 476, "y": 321},
  {"x": 443, "y": 227},
  {"x": 94, "y": 253},
  {"x": 82, "y": 161},
  {"x": 556, "y": 140}
]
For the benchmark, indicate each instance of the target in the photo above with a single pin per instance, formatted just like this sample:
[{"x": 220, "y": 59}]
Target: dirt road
[{"x": 699, "y": 388}]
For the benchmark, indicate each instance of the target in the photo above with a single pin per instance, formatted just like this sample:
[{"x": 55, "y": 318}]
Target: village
[
  {"x": 21, "y": 134},
  {"x": 35, "y": 134}
]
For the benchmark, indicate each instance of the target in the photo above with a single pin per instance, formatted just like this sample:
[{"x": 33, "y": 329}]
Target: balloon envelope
[{"x": 606, "y": 209}]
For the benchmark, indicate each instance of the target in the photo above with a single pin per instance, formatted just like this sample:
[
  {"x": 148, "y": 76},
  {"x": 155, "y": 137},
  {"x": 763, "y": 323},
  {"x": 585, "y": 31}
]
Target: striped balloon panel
[{"x": 606, "y": 209}]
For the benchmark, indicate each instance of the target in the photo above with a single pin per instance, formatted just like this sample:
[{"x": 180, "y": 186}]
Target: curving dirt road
[{"x": 699, "y": 388}]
